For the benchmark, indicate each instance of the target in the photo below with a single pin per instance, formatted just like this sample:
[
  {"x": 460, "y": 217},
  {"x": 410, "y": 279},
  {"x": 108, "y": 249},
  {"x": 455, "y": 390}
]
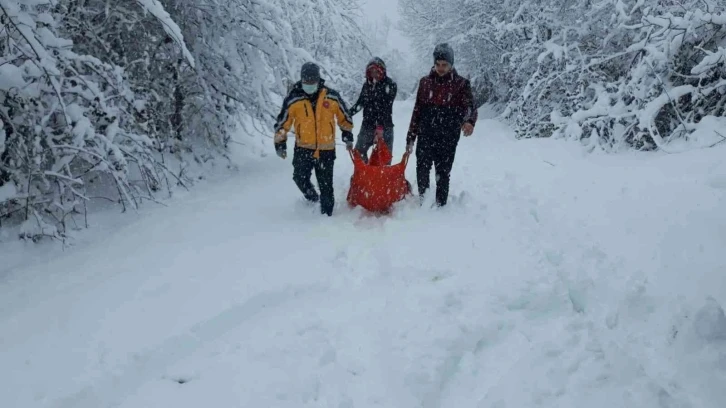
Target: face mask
[{"x": 310, "y": 88}]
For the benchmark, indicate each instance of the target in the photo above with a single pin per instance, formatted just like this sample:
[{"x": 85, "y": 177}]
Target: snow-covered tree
[
  {"x": 636, "y": 73},
  {"x": 467, "y": 27},
  {"x": 70, "y": 120},
  {"x": 613, "y": 72},
  {"x": 194, "y": 101},
  {"x": 399, "y": 64},
  {"x": 329, "y": 33},
  {"x": 97, "y": 93}
]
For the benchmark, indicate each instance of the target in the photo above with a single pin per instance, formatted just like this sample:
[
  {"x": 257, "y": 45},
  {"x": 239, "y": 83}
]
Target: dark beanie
[
  {"x": 310, "y": 72},
  {"x": 444, "y": 52}
]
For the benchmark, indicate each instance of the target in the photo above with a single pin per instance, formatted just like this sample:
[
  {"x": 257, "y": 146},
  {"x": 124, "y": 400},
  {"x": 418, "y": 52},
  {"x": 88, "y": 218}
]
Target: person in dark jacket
[
  {"x": 444, "y": 108},
  {"x": 376, "y": 100},
  {"x": 312, "y": 109}
]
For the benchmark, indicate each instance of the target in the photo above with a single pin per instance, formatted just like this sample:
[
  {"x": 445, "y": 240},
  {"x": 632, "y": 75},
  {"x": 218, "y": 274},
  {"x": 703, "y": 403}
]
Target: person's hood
[{"x": 376, "y": 63}]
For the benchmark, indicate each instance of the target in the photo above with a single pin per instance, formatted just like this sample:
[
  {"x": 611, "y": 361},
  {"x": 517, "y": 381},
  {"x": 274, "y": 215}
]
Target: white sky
[{"x": 375, "y": 9}]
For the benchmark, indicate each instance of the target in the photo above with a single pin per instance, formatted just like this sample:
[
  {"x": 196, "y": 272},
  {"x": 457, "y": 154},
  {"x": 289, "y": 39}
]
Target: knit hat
[
  {"x": 310, "y": 72},
  {"x": 444, "y": 52}
]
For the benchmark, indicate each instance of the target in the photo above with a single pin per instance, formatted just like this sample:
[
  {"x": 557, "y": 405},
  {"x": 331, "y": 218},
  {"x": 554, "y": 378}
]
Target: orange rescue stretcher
[{"x": 377, "y": 185}]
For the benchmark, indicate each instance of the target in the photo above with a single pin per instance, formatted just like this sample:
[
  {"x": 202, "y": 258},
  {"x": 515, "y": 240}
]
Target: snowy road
[{"x": 554, "y": 279}]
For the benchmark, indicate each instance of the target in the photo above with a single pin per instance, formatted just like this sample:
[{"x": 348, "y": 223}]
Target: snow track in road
[{"x": 146, "y": 364}]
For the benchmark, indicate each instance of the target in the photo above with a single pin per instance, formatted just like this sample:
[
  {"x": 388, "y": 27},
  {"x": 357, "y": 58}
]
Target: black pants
[
  {"x": 438, "y": 150},
  {"x": 303, "y": 164}
]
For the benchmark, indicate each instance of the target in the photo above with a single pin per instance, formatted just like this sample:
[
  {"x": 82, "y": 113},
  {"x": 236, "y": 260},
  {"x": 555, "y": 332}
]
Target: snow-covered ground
[{"x": 553, "y": 279}]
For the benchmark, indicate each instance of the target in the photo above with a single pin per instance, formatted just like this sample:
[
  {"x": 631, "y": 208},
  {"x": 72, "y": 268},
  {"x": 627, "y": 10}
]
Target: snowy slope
[{"x": 554, "y": 279}]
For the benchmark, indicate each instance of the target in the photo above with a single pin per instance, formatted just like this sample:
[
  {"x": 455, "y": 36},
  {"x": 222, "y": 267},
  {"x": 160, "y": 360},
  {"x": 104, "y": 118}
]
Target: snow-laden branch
[
  {"x": 636, "y": 73},
  {"x": 170, "y": 27}
]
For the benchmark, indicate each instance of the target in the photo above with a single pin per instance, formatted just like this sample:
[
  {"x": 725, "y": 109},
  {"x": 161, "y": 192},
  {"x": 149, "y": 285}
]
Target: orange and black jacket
[{"x": 313, "y": 117}]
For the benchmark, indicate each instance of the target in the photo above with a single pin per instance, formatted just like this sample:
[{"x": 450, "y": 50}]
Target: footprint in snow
[
  {"x": 718, "y": 183},
  {"x": 710, "y": 322}
]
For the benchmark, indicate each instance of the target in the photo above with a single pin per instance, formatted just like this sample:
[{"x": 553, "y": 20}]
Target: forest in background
[{"x": 613, "y": 74}]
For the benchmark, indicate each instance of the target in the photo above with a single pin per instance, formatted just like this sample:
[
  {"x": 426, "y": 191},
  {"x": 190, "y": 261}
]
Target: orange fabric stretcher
[{"x": 377, "y": 185}]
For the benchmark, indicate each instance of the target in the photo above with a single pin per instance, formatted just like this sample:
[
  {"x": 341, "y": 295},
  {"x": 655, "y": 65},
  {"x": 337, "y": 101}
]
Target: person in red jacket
[{"x": 444, "y": 109}]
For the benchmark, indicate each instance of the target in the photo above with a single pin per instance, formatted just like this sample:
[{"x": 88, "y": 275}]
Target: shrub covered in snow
[
  {"x": 636, "y": 73},
  {"x": 99, "y": 98},
  {"x": 68, "y": 119}
]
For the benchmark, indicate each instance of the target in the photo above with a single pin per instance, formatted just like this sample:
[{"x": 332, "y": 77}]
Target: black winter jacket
[{"x": 376, "y": 100}]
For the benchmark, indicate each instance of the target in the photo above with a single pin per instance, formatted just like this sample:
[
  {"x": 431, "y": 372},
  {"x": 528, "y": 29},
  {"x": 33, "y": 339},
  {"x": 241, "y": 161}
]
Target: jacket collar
[{"x": 448, "y": 77}]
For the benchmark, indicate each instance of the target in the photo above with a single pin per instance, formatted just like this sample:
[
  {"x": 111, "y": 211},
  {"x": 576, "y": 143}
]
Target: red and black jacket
[{"x": 443, "y": 105}]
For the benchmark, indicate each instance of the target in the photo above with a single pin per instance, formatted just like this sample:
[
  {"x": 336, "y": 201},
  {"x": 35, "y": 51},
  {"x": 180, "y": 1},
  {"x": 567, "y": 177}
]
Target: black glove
[
  {"x": 347, "y": 136},
  {"x": 281, "y": 149},
  {"x": 348, "y": 139}
]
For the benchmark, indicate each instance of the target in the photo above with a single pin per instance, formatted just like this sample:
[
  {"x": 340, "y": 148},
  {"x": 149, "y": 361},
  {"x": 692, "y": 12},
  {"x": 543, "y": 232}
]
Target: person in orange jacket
[{"x": 313, "y": 109}]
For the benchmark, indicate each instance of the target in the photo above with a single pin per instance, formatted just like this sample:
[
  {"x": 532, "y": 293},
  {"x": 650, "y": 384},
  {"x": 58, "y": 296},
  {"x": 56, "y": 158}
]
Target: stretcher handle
[
  {"x": 405, "y": 158},
  {"x": 350, "y": 153}
]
